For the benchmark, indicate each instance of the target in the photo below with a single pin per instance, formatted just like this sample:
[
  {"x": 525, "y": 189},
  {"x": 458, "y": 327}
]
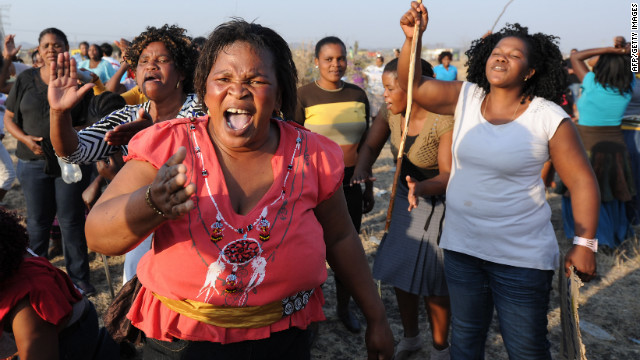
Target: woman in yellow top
[{"x": 338, "y": 110}]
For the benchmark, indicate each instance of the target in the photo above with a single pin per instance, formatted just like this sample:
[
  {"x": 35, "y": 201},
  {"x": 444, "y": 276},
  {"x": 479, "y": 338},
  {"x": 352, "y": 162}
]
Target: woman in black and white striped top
[{"x": 164, "y": 59}]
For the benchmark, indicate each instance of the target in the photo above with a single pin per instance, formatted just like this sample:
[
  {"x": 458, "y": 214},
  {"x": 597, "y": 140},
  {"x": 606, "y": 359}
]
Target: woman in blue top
[
  {"x": 445, "y": 71},
  {"x": 606, "y": 92},
  {"x": 97, "y": 65}
]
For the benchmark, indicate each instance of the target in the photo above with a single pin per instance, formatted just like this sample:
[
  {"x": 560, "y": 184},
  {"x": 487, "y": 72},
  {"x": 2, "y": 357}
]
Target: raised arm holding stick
[{"x": 495, "y": 181}]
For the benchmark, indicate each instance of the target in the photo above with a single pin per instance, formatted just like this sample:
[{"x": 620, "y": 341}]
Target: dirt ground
[{"x": 609, "y": 302}]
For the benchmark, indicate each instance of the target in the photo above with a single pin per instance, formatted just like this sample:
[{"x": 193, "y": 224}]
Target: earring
[
  {"x": 316, "y": 66},
  {"x": 278, "y": 114},
  {"x": 526, "y": 78},
  {"x": 178, "y": 84}
]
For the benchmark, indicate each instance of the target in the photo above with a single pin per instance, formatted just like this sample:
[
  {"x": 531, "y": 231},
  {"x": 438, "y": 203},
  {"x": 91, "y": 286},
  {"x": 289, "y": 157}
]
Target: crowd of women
[{"x": 238, "y": 188}]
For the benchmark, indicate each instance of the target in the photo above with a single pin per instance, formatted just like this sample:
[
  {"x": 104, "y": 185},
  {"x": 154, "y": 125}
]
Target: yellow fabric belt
[
  {"x": 247, "y": 317},
  {"x": 631, "y": 122}
]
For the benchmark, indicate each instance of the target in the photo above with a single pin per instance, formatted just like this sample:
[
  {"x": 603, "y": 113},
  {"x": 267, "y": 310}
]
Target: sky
[{"x": 374, "y": 24}]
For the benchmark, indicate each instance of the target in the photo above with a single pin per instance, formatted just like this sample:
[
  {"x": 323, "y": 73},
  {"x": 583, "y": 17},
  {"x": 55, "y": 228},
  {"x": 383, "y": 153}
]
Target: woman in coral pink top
[{"x": 245, "y": 207}]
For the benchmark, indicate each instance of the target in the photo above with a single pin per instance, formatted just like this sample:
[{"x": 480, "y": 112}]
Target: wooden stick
[
  {"x": 499, "y": 16},
  {"x": 412, "y": 71},
  {"x": 108, "y": 274}
]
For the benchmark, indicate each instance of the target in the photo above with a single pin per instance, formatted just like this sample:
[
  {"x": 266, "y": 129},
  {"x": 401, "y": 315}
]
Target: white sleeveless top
[{"x": 496, "y": 205}]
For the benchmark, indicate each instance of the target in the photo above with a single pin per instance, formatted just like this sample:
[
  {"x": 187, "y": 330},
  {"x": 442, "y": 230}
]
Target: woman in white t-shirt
[{"x": 499, "y": 245}]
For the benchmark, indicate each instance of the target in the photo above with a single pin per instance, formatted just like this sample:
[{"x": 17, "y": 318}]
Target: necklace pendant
[
  {"x": 231, "y": 284},
  {"x": 264, "y": 231},
  {"x": 216, "y": 232}
]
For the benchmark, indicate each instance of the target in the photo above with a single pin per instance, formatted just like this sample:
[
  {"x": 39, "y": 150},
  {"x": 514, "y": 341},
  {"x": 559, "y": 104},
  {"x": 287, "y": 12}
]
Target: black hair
[
  {"x": 34, "y": 55},
  {"x": 612, "y": 71},
  {"x": 54, "y": 31},
  {"x": 178, "y": 43},
  {"x": 260, "y": 37},
  {"x": 199, "y": 42},
  {"x": 84, "y": 43},
  {"x": 443, "y": 55},
  {"x": 13, "y": 243},
  {"x": 103, "y": 105},
  {"x": 392, "y": 67},
  {"x": 99, "y": 49},
  {"x": 329, "y": 40},
  {"x": 380, "y": 57},
  {"x": 106, "y": 48},
  {"x": 550, "y": 78}
]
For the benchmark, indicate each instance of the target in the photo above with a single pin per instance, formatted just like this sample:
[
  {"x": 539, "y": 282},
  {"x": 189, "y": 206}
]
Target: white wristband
[{"x": 590, "y": 243}]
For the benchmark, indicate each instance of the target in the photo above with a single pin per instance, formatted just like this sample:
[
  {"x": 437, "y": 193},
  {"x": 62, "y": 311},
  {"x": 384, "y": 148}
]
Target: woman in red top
[
  {"x": 245, "y": 208},
  {"x": 42, "y": 314}
]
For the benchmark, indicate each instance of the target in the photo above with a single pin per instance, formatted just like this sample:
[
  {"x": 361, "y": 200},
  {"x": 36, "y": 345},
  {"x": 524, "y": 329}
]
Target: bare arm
[
  {"x": 9, "y": 51},
  {"x": 370, "y": 149},
  {"x": 347, "y": 259},
  {"x": 30, "y": 141},
  {"x": 63, "y": 94},
  {"x": 578, "y": 58},
  {"x": 114, "y": 82},
  {"x": 573, "y": 167},
  {"x": 130, "y": 219},
  {"x": 35, "y": 338},
  {"x": 436, "y": 96}
]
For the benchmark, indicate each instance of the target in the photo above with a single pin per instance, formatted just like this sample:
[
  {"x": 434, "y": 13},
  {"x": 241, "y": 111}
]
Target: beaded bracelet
[
  {"x": 155, "y": 209},
  {"x": 590, "y": 243}
]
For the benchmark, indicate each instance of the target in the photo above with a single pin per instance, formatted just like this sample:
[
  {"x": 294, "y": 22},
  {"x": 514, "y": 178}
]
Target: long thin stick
[
  {"x": 412, "y": 71},
  {"x": 108, "y": 274},
  {"x": 499, "y": 16}
]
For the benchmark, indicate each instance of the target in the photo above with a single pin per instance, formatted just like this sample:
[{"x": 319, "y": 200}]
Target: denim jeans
[
  {"x": 575, "y": 91},
  {"x": 290, "y": 344},
  {"x": 7, "y": 173},
  {"x": 521, "y": 299},
  {"x": 47, "y": 196}
]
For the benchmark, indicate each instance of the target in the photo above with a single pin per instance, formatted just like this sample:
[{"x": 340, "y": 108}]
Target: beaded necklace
[{"x": 263, "y": 225}]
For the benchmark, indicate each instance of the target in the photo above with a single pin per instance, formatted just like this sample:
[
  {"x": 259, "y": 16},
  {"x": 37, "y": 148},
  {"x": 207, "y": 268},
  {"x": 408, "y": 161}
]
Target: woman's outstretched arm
[
  {"x": 347, "y": 258},
  {"x": 578, "y": 58},
  {"x": 573, "y": 167},
  {"x": 123, "y": 216}
]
